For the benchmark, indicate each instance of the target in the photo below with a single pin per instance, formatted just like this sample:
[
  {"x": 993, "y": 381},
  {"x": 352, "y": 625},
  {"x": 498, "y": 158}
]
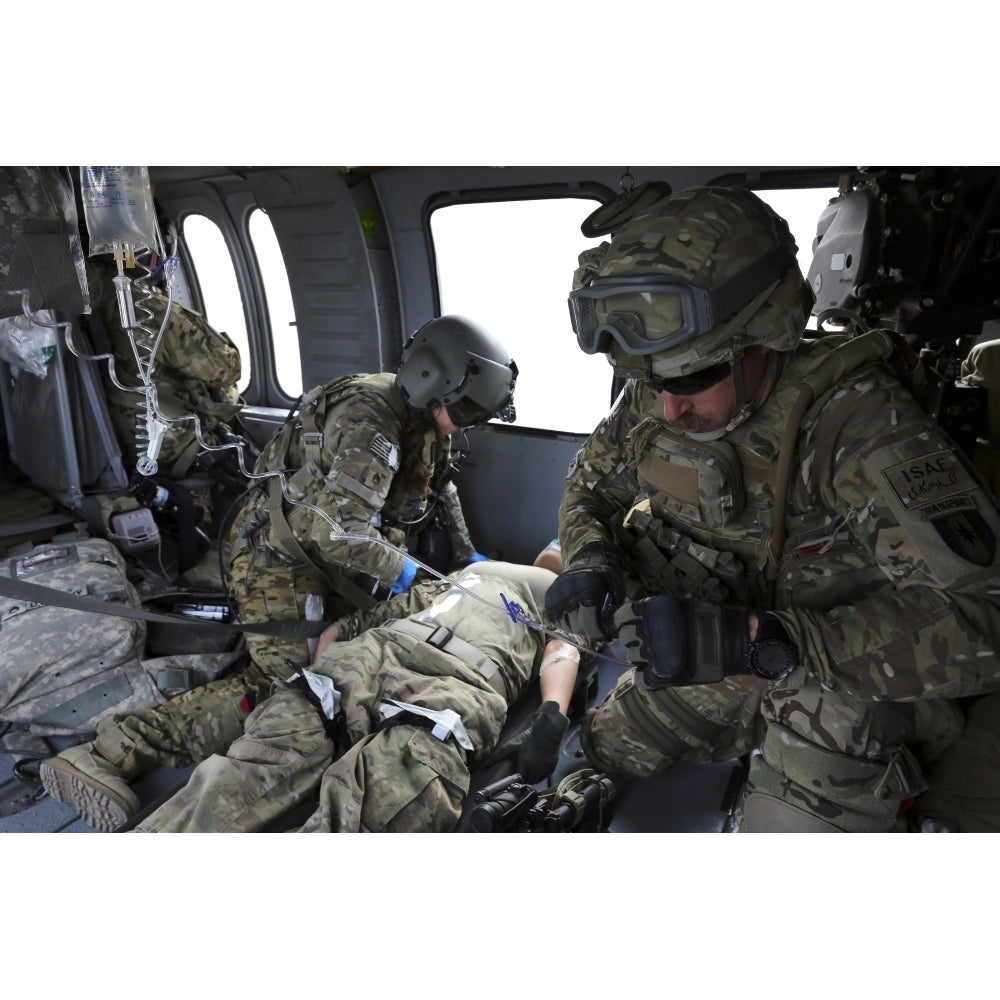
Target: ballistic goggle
[{"x": 681, "y": 311}]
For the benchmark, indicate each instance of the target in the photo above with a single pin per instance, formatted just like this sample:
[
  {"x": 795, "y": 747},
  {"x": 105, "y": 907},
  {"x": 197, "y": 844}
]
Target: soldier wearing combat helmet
[
  {"x": 368, "y": 455},
  {"x": 792, "y": 553}
]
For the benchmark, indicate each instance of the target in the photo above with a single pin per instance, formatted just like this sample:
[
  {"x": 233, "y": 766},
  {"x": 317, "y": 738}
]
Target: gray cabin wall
[{"x": 511, "y": 485}]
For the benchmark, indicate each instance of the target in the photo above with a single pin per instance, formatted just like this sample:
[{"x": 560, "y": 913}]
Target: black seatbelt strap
[{"x": 36, "y": 594}]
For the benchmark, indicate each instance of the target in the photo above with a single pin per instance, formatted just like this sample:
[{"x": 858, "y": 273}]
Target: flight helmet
[
  {"x": 688, "y": 283},
  {"x": 454, "y": 362}
]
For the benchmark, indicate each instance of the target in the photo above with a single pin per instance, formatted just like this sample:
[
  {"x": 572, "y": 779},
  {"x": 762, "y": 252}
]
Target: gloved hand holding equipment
[
  {"x": 406, "y": 577},
  {"x": 679, "y": 641},
  {"x": 539, "y": 753},
  {"x": 583, "y": 599}
]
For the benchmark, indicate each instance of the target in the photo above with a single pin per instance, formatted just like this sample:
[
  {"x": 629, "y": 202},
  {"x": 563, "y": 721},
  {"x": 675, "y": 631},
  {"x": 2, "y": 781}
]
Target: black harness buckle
[{"x": 440, "y": 637}]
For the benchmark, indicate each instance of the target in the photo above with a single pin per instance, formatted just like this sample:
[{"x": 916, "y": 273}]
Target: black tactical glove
[
  {"x": 539, "y": 752},
  {"x": 584, "y": 597},
  {"x": 673, "y": 641}
]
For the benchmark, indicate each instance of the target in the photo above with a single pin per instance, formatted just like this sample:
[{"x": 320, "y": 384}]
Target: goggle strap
[
  {"x": 750, "y": 282},
  {"x": 635, "y": 366}
]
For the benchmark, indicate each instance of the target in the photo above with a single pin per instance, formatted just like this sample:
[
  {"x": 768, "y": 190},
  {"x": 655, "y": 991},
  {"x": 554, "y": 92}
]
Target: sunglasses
[{"x": 693, "y": 383}]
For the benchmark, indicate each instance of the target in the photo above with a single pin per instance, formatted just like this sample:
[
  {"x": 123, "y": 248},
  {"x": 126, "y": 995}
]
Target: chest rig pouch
[{"x": 700, "y": 481}]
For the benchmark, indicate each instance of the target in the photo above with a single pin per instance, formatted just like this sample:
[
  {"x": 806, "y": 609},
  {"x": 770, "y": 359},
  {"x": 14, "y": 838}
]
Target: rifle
[{"x": 580, "y": 803}]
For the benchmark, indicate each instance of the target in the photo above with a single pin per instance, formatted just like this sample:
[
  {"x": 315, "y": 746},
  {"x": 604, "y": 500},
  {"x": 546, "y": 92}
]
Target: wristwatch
[{"x": 771, "y": 655}]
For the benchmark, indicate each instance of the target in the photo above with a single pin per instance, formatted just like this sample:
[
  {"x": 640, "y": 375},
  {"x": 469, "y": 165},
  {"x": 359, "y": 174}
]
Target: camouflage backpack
[
  {"x": 196, "y": 372},
  {"x": 62, "y": 670}
]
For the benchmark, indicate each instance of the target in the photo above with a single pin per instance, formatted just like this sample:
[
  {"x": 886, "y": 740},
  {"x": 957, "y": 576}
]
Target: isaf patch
[
  {"x": 939, "y": 489},
  {"x": 385, "y": 451},
  {"x": 931, "y": 479}
]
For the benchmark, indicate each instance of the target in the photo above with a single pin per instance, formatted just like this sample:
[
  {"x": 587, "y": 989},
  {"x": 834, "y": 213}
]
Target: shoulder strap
[
  {"x": 776, "y": 543},
  {"x": 328, "y": 576}
]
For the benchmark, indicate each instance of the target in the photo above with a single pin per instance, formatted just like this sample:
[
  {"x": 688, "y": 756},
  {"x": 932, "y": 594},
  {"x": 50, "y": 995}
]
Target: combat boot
[{"x": 95, "y": 786}]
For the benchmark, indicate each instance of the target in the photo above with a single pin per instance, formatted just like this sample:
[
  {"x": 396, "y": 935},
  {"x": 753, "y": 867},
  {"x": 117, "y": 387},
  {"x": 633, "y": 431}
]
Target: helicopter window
[
  {"x": 480, "y": 246},
  {"x": 483, "y": 248},
  {"x": 220, "y": 292},
  {"x": 280, "y": 310},
  {"x": 801, "y": 209}
]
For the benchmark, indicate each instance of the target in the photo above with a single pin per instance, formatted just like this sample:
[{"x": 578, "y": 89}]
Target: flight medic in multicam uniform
[
  {"x": 372, "y": 453},
  {"x": 366, "y": 456},
  {"x": 795, "y": 557}
]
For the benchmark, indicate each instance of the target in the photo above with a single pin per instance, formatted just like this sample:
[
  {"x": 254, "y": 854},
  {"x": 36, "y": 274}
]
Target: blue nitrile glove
[
  {"x": 476, "y": 557},
  {"x": 406, "y": 576}
]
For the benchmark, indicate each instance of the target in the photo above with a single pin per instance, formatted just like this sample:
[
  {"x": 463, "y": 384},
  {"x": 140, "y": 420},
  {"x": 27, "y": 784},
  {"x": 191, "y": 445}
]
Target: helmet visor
[{"x": 466, "y": 412}]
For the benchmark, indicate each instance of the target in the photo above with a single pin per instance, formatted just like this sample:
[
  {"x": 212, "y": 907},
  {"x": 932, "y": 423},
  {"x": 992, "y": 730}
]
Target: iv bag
[{"x": 118, "y": 209}]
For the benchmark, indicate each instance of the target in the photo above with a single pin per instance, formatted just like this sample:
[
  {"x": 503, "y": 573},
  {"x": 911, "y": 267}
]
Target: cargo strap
[
  {"x": 445, "y": 639},
  {"x": 34, "y": 593}
]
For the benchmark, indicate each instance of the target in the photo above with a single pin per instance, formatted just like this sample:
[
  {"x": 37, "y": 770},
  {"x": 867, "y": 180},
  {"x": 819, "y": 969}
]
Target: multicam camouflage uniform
[
  {"x": 393, "y": 778},
  {"x": 354, "y": 473},
  {"x": 887, "y": 584},
  {"x": 351, "y": 475}
]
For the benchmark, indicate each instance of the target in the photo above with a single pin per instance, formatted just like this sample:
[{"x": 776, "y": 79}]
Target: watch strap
[{"x": 770, "y": 627}]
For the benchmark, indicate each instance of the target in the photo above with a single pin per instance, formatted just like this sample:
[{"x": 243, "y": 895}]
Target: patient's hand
[{"x": 330, "y": 634}]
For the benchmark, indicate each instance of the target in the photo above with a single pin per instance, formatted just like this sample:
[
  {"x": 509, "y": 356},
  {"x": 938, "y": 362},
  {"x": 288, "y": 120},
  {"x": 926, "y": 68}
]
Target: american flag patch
[{"x": 385, "y": 451}]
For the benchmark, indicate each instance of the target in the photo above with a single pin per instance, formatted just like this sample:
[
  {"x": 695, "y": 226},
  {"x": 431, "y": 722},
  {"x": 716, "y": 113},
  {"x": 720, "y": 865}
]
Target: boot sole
[{"x": 96, "y": 808}]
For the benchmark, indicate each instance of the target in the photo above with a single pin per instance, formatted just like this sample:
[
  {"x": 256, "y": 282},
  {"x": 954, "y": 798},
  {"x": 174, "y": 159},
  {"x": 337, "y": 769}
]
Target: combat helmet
[
  {"x": 454, "y": 362},
  {"x": 688, "y": 283}
]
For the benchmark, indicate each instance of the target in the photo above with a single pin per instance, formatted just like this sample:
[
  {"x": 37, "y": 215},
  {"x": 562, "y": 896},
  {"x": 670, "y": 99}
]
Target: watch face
[{"x": 772, "y": 659}]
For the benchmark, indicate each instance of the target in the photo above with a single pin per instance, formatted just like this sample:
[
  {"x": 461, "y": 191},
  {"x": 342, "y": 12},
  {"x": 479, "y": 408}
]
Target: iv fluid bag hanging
[{"x": 118, "y": 208}]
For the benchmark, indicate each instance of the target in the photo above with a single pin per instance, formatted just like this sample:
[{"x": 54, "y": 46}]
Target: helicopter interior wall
[
  {"x": 406, "y": 196},
  {"x": 338, "y": 304},
  {"x": 511, "y": 486},
  {"x": 349, "y": 283}
]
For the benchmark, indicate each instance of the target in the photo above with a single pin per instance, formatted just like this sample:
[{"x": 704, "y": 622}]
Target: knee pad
[
  {"x": 586, "y": 740},
  {"x": 634, "y": 733}
]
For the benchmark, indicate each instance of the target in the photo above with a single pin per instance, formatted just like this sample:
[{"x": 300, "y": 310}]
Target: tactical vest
[
  {"x": 297, "y": 449},
  {"x": 300, "y": 442},
  {"x": 706, "y": 519}
]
